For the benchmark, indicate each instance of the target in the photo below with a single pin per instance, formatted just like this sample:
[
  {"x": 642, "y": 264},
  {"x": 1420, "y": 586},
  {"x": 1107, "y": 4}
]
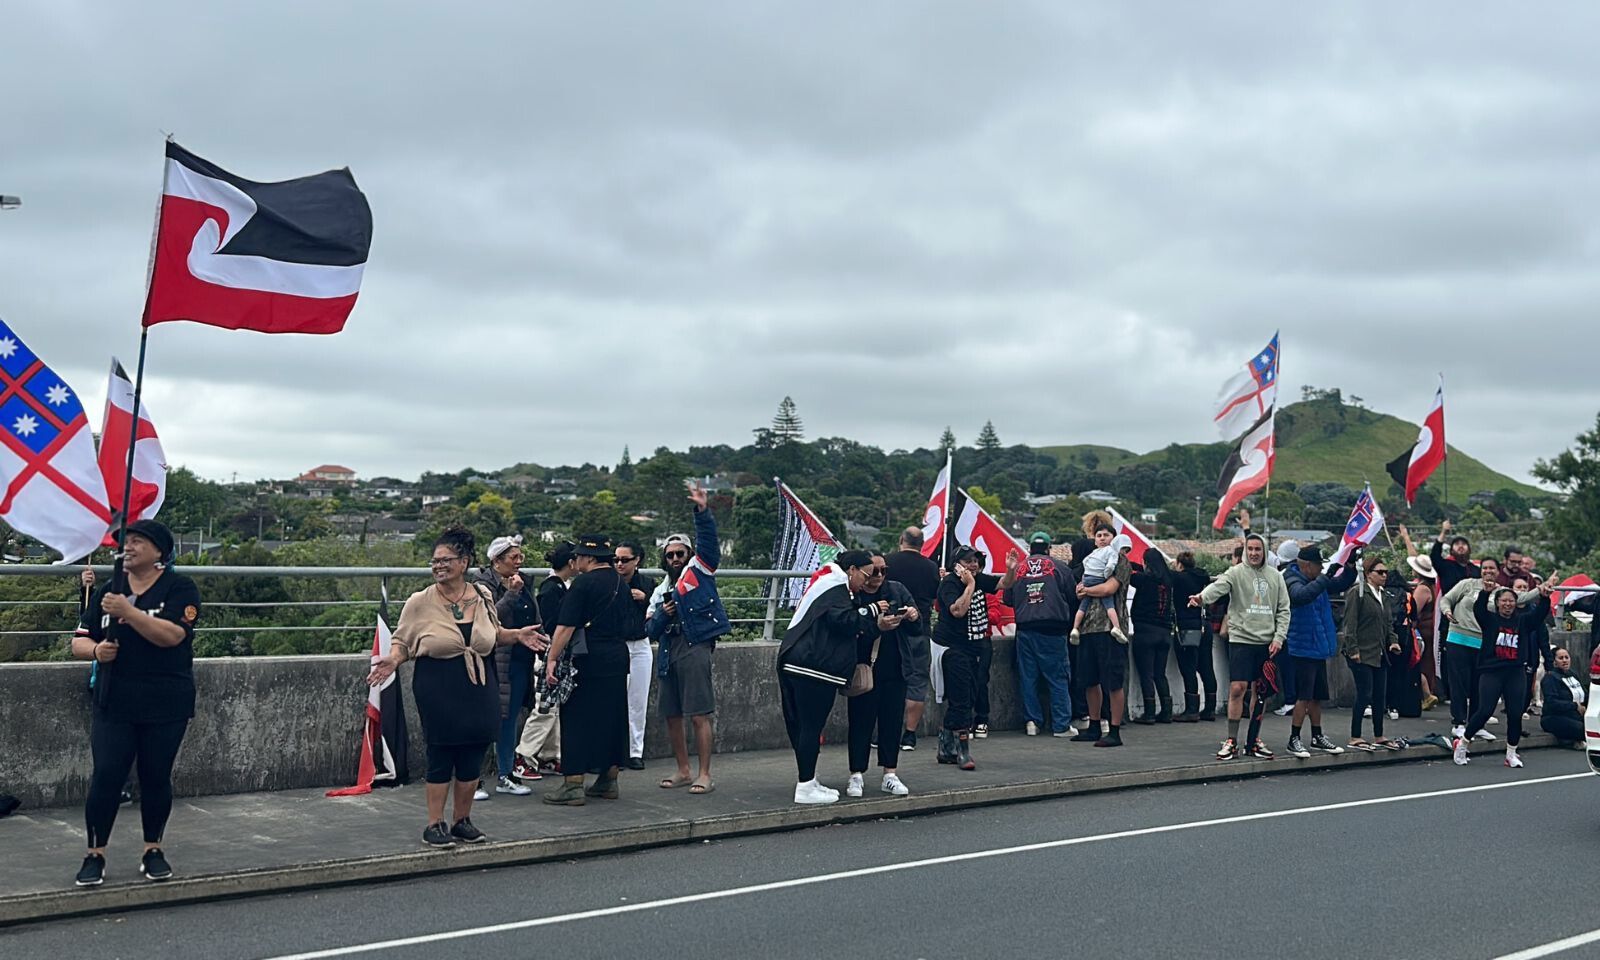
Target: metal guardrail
[{"x": 769, "y": 596}]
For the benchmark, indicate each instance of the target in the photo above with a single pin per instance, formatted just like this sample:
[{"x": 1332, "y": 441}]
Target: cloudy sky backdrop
[{"x": 904, "y": 215}]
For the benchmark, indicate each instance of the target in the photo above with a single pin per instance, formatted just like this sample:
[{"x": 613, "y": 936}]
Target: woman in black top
[
  {"x": 1564, "y": 699},
  {"x": 1154, "y": 623},
  {"x": 594, "y": 720},
  {"x": 1509, "y": 654},
  {"x": 516, "y": 607},
  {"x": 140, "y": 633},
  {"x": 1194, "y": 642}
]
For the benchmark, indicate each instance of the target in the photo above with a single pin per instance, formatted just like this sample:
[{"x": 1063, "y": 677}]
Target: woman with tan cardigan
[{"x": 451, "y": 630}]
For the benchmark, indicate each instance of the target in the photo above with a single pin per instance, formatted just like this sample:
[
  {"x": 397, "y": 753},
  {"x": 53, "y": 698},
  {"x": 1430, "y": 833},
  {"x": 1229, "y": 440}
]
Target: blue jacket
[
  {"x": 1311, "y": 630},
  {"x": 700, "y": 615}
]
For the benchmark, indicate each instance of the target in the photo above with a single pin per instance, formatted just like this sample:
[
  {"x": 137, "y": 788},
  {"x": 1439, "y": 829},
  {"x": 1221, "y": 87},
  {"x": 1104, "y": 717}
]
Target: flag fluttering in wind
[
  {"x": 149, "y": 461},
  {"x": 937, "y": 515},
  {"x": 1247, "y": 469},
  {"x": 803, "y": 545},
  {"x": 383, "y": 733},
  {"x": 1249, "y": 395},
  {"x": 283, "y": 257},
  {"x": 976, "y": 529},
  {"x": 1416, "y": 464},
  {"x": 50, "y": 483},
  {"x": 1141, "y": 543},
  {"x": 1366, "y": 522}
]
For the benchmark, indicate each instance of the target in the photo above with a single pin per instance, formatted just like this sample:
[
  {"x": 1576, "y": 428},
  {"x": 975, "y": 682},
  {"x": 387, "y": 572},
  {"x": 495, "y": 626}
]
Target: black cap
[
  {"x": 155, "y": 532},
  {"x": 594, "y": 545},
  {"x": 965, "y": 553},
  {"x": 1310, "y": 553},
  {"x": 561, "y": 555}
]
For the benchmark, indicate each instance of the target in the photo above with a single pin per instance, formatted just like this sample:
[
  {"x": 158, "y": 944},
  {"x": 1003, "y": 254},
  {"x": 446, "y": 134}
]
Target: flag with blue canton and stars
[{"x": 53, "y": 490}]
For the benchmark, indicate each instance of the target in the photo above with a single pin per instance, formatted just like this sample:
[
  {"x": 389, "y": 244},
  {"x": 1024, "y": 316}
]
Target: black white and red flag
[
  {"x": 283, "y": 257},
  {"x": 381, "y": 761},
  {"x": 149, "y": 460},
  {"x": 1417, "y": 463},
  {"x": 1247, "y": 469}
]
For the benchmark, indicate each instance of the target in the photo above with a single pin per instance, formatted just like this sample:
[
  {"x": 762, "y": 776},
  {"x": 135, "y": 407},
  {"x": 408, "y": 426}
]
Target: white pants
[{"x": 640, "y": 664}]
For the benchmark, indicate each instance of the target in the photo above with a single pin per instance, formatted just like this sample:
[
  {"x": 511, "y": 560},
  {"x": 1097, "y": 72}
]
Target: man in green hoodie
[{"x": 1258, "y": 623}]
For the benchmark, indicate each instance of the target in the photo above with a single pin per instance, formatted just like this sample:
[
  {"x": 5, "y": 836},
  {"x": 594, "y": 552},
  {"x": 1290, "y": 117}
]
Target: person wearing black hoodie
[
  {"x": 1154, "y": 624},
  {"x": 1509, "y": 653},
  {"x": 882, "y": 710},
  {"x": 1194, "y": 643},
  {"x": 1564, "y": 699},
  {"x": 817, "y": 658}
]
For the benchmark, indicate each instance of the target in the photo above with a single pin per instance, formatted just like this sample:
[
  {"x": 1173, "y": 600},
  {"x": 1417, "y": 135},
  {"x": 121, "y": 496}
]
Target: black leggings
[
  {"x": 116, "y": 748},
  {"x": 1150, "y": 659},
  {"x": 806, "y": 705},
  {"x": 1493, "y": 686},
  {"x": 463, "y": 764},
  {"x": 980, "y": 693},
  {"x": 1460, "y": 675},
  {"x": 1372, "y": 688},
  {"x": 884, "y": 708},
  {"x": 1196, "y": 667}
]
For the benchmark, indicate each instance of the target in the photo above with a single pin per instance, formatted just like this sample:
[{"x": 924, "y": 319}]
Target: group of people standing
[{"x": 575, "y": 652}]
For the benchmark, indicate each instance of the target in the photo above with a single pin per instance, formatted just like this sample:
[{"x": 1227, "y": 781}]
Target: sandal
[
  {"x": 673, "y": 783},
  {"x": 1386, "y": 744},
  {"x": 1359, "y": 744},
  {"x": 701, "y": 789}
]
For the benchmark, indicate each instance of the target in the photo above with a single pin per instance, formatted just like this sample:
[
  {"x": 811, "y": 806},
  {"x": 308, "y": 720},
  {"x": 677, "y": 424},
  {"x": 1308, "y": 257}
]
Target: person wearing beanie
[{"x": 139, "y": 631}]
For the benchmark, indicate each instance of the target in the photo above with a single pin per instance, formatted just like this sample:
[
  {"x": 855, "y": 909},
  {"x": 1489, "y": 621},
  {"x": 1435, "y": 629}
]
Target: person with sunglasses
[
  {"x": 686, "y": 618},
  {"x": 450, "y": 629},
  {"x": 1366, "y": 638},
  {"x": 640, "y": 588},
  {"x": 882, "y": 710}
]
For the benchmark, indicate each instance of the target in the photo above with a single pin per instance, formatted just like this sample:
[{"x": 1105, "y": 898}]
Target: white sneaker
[
  {"x": 480, "y": 794},
  {"x": 855, "y": 786},
  {"x": 1484, "y": 735},
  {"x": 1071, "y": 731},
  {"x": 508, "y": 785},
  {"x": 1392, "y": 714},
  {"x": 1367, "y": 713},
  {"x": 1284, "y": 710},
  {"x": 1512, "y": 760},
  {"x": 1458, "y": 752},
  {"x": 1031, "y": 729},
  {"x": 1458, "y": 732},
  {"x": 1493, "y": 719},
  {"x": 1118, "y": 635},
  {"x": 813, "y": 792},
  {"x": 892, "y": 784}
]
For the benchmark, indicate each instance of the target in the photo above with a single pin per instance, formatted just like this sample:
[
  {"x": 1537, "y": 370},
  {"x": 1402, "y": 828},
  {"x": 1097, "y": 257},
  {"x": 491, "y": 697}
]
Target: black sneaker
[
  {"x": 154, "y": 866},
  {"x": 1297, "y": 748},
  {"x": 437, "y": 835},
  {"x": 908, "y": 740},
  {"x": 126, "y": 797},
  {"x": 466, "y": 832},
  {"x": 93, "y": 871}
]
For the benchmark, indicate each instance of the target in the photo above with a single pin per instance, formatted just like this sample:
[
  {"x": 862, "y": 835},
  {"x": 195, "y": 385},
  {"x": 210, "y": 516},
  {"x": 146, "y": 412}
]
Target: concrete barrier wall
[{"x": 276, "y": 723}]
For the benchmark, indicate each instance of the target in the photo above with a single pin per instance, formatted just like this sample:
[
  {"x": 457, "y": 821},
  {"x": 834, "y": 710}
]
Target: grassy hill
[{"x": 1327, "y": 440}]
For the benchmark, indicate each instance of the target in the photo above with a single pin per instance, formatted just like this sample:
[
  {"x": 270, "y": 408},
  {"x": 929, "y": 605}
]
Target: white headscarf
[{"x": 501, "y": 544}]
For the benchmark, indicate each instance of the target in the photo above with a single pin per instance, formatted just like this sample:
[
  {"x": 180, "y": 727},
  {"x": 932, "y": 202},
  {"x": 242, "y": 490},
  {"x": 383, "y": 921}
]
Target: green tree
[
  {"x": 1574, "y": 525},
  {"x": 986, "y": 500},
  {"x": 988, "y": 440},
  {"x": 787, "y": 426},
  {"x": 947, "y": 440},
  {"x": 1512, "y": 502},
  {"x": 624, "y": 471}
]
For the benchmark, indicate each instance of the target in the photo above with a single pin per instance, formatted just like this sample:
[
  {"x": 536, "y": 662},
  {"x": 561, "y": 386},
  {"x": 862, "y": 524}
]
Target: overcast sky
[{"x": 903, "y": 215}]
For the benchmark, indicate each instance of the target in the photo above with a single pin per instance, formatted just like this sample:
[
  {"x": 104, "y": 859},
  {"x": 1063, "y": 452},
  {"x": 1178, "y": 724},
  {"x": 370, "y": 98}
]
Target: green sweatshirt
[{"x": 1258, "y": 603}]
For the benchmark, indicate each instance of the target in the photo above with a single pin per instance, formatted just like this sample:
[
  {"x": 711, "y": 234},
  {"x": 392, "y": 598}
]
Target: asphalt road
[{"x": 1458, "y": 866}]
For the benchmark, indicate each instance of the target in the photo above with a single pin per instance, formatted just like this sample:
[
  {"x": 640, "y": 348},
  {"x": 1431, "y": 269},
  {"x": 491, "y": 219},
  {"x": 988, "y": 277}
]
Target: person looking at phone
[
  {"x": 882, "y": 710},
  {"x": 685, "y": 618},
  {"x": 139, "y": 631}
]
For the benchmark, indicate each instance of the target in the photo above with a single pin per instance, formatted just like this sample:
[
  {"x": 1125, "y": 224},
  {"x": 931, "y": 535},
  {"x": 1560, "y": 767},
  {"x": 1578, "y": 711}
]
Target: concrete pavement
[{"x": 290, "y": 840}]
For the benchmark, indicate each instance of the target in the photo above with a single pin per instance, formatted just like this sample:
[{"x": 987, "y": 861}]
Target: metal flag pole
[{"x": 944, "y": 521}]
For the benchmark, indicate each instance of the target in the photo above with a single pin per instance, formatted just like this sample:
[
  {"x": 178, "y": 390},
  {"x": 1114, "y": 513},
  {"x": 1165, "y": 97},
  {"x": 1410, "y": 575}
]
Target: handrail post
[{"x": 769, "y": 629}]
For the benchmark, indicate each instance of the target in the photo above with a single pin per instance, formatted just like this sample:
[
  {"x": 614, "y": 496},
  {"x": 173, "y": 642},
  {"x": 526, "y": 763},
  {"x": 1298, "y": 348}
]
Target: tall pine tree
[
  {"x": 947, "y": 441},
  {"x": 786, "y": 424},
  {"x": 988, "y": 440}
]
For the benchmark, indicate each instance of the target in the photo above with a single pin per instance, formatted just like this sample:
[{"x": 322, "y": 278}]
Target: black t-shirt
[
  {"x": 599, "y": 602},
  {"x": 916, "y": 573},
  {"x": 951, "y": 629},
  {"x": 147, "y": 683},
  {"x": 647, "y": 586}
]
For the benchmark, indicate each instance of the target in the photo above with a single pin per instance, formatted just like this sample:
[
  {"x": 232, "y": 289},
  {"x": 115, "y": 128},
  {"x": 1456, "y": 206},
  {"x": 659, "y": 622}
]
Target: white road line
[
  {"x": 1553, "y": 947},
  {"x": 914, "y": 865}
]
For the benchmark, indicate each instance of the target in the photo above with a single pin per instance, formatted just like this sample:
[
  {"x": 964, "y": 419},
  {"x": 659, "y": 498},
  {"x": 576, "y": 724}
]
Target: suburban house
[{"x": 327, "y": 473}]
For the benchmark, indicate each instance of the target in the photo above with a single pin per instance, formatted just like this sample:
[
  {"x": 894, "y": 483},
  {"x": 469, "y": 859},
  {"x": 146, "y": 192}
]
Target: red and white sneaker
[
  {"x": 525, "y": 769},
  {"x": 1512, "y": 760},
  {"x": 1458, "y": 751}
]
